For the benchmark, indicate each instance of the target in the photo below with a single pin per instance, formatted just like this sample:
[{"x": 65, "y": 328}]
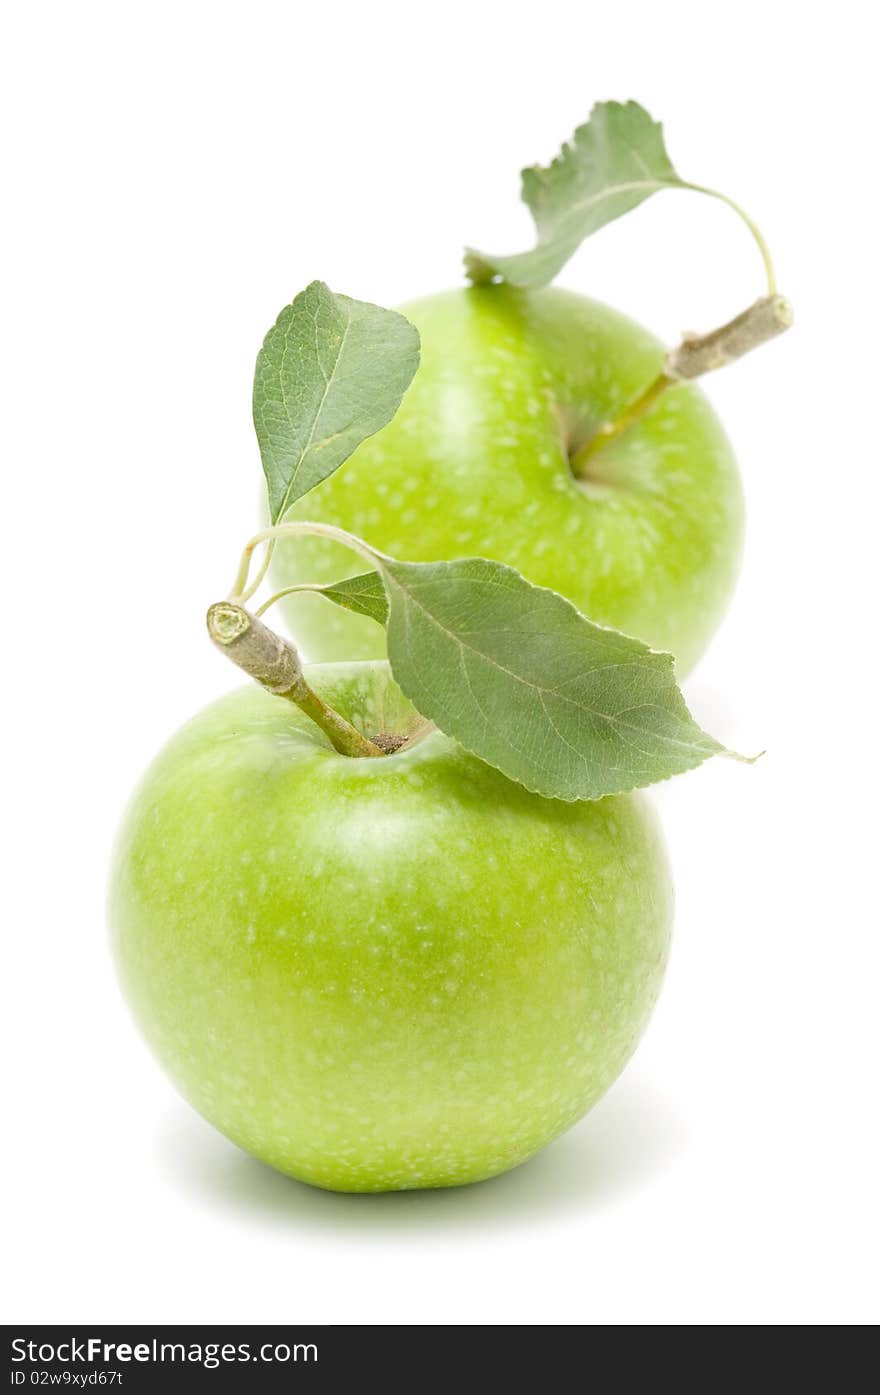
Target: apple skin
[
  {"x": 384, "y": 973},
  {"x": 476, "y": 464}
]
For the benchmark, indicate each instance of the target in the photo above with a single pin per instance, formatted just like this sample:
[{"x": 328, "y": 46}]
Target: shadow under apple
[{"x": 624, "y": 1144}]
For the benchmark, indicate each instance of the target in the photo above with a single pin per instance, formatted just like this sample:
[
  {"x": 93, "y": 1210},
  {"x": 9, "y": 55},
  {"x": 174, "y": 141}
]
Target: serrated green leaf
[
  {"x": 331, "y": 372},
  {"x": 520, "y": 678},
  {"x": 613, "y": 163},
  {"x": 364, "y": 594}
]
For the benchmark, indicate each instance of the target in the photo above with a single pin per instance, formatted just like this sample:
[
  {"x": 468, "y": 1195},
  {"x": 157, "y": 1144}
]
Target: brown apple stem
[
  {"x": 275, "y": 664},
  {"x": 695, "y": 355},
  {"x": 702, "y": 353}
]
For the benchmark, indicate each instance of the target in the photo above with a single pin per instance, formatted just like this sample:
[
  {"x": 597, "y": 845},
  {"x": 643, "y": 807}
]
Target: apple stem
[
  {"x": 702, "y": 353},
  {"x": 695, "y": 355},
  {"x": 609, "y": 431},
  {"x": 275, "y": 664}
]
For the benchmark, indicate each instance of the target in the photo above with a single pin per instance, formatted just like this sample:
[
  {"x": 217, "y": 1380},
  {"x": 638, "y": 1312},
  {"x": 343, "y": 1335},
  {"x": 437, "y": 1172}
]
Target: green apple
[
  {"x": 380, "y": 974},
  {"x": 477, "y": 462}
]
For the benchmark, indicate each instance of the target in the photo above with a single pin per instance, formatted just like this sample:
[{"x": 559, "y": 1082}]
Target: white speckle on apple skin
[{"x": 421, "y": 973}]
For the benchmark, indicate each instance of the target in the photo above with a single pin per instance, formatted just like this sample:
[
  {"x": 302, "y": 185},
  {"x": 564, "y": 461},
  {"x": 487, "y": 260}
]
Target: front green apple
[
  {"x": 380, "y": 973},
  {"x": 477, "y": 463}
]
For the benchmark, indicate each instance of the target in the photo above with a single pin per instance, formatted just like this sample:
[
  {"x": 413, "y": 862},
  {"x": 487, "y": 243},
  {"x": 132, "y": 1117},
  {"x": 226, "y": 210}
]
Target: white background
[{"x": 175, "y": 173}]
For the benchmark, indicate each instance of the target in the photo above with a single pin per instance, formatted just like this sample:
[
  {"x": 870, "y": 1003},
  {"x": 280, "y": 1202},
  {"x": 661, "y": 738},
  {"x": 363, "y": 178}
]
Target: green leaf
[
  {"x": 364, "y": 594},
  {"x": 520, "y": 678},
  {"x": 331, "y": 372},
  {"x": 614, "y": 162}
]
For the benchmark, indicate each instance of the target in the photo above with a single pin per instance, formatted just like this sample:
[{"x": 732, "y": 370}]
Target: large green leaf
[
  {"x": 614, "y": 162},
  {"x": 520, "y": 678},
  {"x": 331, "y": 372}
]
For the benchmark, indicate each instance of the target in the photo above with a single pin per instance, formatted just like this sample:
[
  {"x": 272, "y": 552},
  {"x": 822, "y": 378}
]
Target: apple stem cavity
[
  {"x": 695, "y": 355},
  {"x": 275, "y": 664},
  {"x": 634, "y": 411}
]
